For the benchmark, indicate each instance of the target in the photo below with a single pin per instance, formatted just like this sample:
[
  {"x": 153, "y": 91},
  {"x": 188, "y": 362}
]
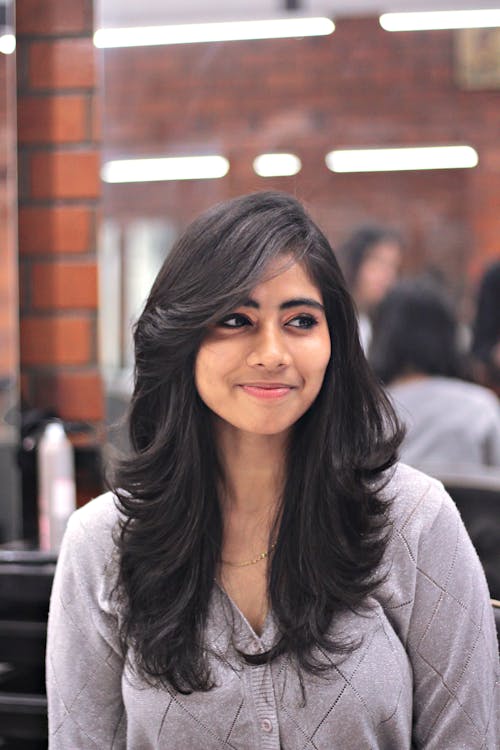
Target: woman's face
[
  {"x": 378, "y": 272},
  {"x": 260, "y": 368}
]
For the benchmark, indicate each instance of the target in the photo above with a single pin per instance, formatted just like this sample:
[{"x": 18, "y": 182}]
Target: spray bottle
[{"x": 56, "y": 486}]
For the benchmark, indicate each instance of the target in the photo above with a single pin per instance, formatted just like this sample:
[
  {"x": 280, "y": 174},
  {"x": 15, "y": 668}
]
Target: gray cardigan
[{"x": 423, "y": 676}]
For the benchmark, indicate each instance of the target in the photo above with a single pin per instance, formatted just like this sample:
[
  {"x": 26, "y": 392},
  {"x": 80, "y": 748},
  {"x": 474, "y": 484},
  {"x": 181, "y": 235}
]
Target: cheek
[
  {"x": 315, "y": 358},
  {"x": 209, "y": 371},
  {"x": 202, "y": 372}
]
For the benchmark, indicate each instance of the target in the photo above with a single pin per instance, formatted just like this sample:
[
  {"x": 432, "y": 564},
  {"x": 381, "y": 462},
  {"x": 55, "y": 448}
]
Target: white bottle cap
[{"x": 54, "y": 431}]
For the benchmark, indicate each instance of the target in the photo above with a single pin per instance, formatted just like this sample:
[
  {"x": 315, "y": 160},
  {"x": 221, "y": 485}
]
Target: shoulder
[
  {"x": 426, "y": 531},
  {"x": 416, "y": 499},
  {"x": 476, "y": 393},
  {"x": 87, "y": 565},
  {"x": 428, "y": 551},
  {"x": 457, "y": 389},
  {"x": 440, "y": 386},
  {"x": 91, "y": 529},
  {"x": 426, "y": 523}
]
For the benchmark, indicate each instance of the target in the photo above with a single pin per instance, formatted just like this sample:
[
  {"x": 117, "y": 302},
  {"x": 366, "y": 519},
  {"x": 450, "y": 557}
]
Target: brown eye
[
  {"x": 304, "y": 322},
  {"x": 235, "y": 320}
]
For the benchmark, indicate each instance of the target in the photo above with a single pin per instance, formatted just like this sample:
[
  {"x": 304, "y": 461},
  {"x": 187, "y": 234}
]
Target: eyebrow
[{"x": 295, "y": 302}]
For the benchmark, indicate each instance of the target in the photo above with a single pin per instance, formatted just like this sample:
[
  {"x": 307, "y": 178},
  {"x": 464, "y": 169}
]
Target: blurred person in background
[
  {"x": 485, "y": 349},
  {"x": 415, "y": 350},
  {"x": 371, "y": 258}
]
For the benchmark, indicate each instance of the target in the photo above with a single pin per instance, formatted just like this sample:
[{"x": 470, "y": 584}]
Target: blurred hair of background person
[
  {"x": 485, "y": 349},
  {"x": 415, "y": 350},
  {"x": 371, "y": 258}
]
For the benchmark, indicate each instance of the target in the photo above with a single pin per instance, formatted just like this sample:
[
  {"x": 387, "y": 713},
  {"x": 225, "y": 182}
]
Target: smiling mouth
[{"x": 267, "y": 391}]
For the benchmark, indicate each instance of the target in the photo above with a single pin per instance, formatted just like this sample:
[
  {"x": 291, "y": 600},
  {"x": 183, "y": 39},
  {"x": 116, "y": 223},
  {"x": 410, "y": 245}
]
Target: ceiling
[{"x": 152, "y": 12}]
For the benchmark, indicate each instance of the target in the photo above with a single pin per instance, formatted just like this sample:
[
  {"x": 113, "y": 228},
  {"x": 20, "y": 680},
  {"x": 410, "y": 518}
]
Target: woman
[
  {"x": 451, "y": 424},
  {"x": 263, "y": 577},
  {"x": 372, "y": 257},
  {"x": 486, "y": 333}
]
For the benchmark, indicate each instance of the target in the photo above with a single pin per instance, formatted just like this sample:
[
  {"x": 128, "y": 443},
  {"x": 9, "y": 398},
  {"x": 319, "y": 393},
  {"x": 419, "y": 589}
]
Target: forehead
[{"x": 287, "y": 277}]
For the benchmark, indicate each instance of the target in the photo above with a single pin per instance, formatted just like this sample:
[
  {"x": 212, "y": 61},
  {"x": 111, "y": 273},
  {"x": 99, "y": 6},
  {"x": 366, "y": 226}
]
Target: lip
[{"x": 267, "y": 391}]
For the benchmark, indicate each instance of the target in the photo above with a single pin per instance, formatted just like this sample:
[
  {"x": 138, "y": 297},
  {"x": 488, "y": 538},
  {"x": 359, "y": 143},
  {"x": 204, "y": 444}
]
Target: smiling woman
[{"x": 263, "y": 575}]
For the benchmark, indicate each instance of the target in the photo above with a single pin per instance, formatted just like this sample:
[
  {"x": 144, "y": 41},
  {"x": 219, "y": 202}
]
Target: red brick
[
  {"x": 74, "y": 396},
  {"x": 71, "y": 174},
  {"x": 61, "y": 229},
  {"x": 53, "y": 16},
  {"x": 63, "y": 63},
  {"x": 52, "y": 119},
  {"x": 96, "y": 118},
  {"x": 64, "y": 286},
  {"x": 55, "y": 341}
]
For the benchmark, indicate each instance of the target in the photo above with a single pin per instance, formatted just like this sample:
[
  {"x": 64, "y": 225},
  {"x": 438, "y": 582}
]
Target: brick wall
[
  {"x": 59, "y": 191},
  {"x": 359, "y": 87},
  {"x": 8, "y": 249}
]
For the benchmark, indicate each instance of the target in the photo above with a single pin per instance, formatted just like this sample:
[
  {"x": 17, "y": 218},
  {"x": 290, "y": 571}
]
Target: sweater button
[{"x": 267, "y": 725}]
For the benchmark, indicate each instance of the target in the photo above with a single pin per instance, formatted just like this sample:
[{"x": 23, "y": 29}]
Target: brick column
[{"x": 59, "y": 190}]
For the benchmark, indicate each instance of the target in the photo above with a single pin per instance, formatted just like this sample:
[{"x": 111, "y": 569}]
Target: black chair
[
  {"x": 496, "y": 611},
  {"x": 25, "y": 584}
]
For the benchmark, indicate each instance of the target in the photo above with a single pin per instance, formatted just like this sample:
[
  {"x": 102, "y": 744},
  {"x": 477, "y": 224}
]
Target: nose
[{"x": 269, "y": 350}]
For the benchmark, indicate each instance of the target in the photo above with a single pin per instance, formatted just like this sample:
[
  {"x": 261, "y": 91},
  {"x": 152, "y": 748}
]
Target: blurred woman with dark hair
[
  {"x": 451, "y": 423},
  {"x": 486, "y": 332},
  {"x": 371, "y": 258},
  {"x": 263, "y": 575}
]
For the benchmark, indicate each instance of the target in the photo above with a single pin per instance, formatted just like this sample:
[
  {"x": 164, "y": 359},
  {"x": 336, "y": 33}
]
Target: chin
[{"x": 266, "y": 429}]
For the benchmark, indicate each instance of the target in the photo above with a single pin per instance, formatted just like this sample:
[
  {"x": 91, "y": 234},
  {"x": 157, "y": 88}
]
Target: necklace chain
[{"x": 261, "y": 556}]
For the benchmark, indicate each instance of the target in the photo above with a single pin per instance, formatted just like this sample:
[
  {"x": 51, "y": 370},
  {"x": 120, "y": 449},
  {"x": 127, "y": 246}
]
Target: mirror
[
  {"x": 9, "y": 340},
  {"x": 360, "y": 86}
]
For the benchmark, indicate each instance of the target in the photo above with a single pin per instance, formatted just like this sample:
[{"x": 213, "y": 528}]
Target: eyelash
[{"x": 242, "y": 321}]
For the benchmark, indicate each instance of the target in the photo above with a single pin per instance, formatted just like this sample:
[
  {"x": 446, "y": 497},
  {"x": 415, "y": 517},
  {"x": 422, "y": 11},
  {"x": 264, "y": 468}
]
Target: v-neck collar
[{"x": 243, "y": 636}]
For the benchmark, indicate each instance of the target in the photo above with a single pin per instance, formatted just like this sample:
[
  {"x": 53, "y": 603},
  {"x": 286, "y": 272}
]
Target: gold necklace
[{"x": 254, "y": 560}]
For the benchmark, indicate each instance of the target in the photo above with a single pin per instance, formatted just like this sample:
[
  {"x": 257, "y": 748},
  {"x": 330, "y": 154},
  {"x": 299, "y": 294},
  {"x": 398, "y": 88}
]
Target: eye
[
  {"x": 234, "y": 320},
  {"x": 303, "y": 321}
]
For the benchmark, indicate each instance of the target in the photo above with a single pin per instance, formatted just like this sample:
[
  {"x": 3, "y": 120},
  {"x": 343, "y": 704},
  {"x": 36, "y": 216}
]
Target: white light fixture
[
  {"x": 168, "y": 168},
  {"x": 440, "y": 19},
  {"x": 213, "y": 32},
  {"x": 401, "y": 159},
  {"x": 7, "y": 44},
  {"x": 277, "y": 165}
]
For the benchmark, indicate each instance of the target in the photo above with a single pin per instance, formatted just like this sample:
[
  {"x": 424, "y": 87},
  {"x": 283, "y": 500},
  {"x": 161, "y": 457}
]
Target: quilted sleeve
[
  {"x": 83, "y": 661},
  {"x": 451, "y": 639}
]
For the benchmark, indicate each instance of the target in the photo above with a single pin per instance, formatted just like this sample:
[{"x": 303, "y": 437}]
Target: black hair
[
  {"x": 332, "y": 528},
  {"x": 357, "y": 247},
  {"x": 415, "y": 331},
  {"x": 486, "y": 333}
]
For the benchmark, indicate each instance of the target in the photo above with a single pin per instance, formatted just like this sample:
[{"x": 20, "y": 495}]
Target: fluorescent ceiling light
[
  {"x": 440, "y": 19},
  {"x": 213, "y": 32},
  {"x": 7, "y": 44},
  {"x": 401, "y": 159},
  {"x": 277, "y": 165},
  {"x": 174, "y": 168}
]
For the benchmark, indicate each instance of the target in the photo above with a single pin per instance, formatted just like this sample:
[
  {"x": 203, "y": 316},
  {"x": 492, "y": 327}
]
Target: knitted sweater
[{"x": 423, "y": 675}]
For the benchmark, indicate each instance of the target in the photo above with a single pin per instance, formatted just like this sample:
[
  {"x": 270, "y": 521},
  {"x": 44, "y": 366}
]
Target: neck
[{"x": 254, "y": 468}]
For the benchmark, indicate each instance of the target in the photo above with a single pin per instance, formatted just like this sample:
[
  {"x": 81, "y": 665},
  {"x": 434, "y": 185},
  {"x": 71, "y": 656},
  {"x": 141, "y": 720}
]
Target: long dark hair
[
  {"x": 333, "y": 527},
  {"x": 486, "y": 333},
  {"x": 416, "y": 331}
]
